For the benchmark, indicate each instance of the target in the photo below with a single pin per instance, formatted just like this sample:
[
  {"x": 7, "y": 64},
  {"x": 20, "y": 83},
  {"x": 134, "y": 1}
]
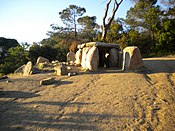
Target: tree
[
  {"x": 170, "y": 12},
  {"x": 145, "y": 16},
  {"x": 106, "y": 26},
  {"x": 5, "y": 45},
  {"x": 114, "y": 32},
  {"x": 70, "y": 15},
  {"x": 52, "y": 49},
  {"x": 89, "y": 28},
  {"x": 166, "y": 37}
]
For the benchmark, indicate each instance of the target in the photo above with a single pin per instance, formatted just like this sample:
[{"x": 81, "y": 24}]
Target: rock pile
[
  {"x": 29, "y": 68},
  {"x": 90, "y": 56}
]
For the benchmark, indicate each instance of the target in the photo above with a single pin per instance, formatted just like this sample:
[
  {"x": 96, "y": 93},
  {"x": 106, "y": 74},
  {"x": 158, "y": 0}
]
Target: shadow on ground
[
  {"x": 17, "y": 94},
  {"x": 150, "y": 66},
  {"x": 160, "y": 66},
  {"x": 25, "y": 115}
]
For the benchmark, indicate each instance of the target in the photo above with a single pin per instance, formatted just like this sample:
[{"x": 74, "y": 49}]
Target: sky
[{"x": 29, "y": 20}]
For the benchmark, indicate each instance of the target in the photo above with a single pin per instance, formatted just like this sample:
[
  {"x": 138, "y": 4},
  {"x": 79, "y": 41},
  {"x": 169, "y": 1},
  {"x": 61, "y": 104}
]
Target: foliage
[
  {"x": 5, "y": 44},
  {"x": 12, "y": 55},
  {"x": 16, "y": 57},
  {"x": 70, "y": 15},
  {"x": 89, "y": 28},
  {"x": 63, "y": 39},
  {"x": 114, "y": 33},
  {"x": 154, "y": 27},
  {"x": 45, "y": 51}
]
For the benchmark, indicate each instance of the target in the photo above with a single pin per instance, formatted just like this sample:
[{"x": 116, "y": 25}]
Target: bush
[{"x": 16, "y": 57}]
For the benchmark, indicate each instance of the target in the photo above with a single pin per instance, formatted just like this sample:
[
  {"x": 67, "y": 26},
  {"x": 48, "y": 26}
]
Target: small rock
[
  {"x": 47, "y": 81},
  {"x": 69, "y": 68},
  {"x": 3, "y": 77},
  {"x": 35, "y": 106},
  {"x": 72, "y": 74},
  {"x": 134, "y": 97}
]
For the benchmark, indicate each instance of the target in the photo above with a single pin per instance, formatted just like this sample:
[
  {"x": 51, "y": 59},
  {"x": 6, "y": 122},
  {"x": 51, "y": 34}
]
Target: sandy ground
[{"x": 107, "y": 100}]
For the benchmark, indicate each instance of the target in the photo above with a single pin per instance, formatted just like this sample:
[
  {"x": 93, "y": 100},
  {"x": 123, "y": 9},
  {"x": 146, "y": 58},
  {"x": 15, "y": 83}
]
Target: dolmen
[
  {"x": 90, "y": 56},
  {"x": 97, "y": 54}
]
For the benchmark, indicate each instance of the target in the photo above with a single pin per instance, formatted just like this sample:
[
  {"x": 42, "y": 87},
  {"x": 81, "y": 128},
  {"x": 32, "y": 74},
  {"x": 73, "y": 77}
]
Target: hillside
[{"x": 107, "y": 100}]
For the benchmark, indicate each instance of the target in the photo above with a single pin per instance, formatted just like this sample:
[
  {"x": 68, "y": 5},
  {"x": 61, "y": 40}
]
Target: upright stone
[
  {"x": 84, "y": 54},
  {"x": 41, "y": 60},
  {"x": 78, "y": 57},
  {"x": 120, "y": 59},
  {"x": 132, "y": 58},
  {"x": 92, "y": 59},
  {"x": 28, "y": 68},
  {"x": 126, "y": 61},
  {"x": 71, "y": 57},
  {"x": 113, "y": 57}
]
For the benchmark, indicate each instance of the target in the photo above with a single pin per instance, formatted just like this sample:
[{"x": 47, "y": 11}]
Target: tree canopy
[{"x": 70, "y": 15}]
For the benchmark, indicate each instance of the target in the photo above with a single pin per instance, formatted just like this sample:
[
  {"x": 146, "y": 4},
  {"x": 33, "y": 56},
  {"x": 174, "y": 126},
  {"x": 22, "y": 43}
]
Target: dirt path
[{"x": 103, "y": 101}]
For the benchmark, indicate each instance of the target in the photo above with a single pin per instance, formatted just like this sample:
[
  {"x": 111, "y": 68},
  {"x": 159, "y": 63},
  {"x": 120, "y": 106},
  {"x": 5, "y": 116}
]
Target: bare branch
[
  {"x": 105, "y": 26},
  {"x": 116, "y": 5},
  {"x": 106, "y": 11}
]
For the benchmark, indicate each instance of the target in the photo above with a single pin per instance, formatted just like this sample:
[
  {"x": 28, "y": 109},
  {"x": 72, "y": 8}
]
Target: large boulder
[
  {"x": 78, "y": 57},
  {"x": 92, "y": 59},
  {"x": 41, "y": 60},
  {"x": 132, "y": 58},
  {"x": 28, "y": 68},
  {"x": 84, "y": 54},
  {"x": 113, "y": 57}
]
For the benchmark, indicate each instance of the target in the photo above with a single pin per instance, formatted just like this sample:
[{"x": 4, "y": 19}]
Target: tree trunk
[
  {"x": 75, "y": 31},
  {"x": 75, "y": 26},
  {"x": 104, "y": 33},
  {"x": 105, "y": 26}
]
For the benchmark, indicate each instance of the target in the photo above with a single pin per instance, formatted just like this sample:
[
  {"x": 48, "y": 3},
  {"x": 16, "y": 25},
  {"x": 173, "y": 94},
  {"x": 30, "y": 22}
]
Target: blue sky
[{"x": 29, "y": 20}]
